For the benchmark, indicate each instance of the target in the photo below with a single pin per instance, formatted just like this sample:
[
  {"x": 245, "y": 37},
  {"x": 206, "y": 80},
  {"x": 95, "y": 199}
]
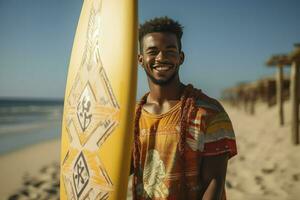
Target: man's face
[{"x": 160, "y": 57}]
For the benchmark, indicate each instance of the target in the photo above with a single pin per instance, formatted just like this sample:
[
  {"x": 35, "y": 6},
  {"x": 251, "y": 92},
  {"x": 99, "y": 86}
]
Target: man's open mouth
[{"x": 162, "y": 68}]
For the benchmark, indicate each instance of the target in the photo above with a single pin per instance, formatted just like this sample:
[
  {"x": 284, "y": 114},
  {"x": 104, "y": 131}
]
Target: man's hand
[{"x": 213, "y": 173}]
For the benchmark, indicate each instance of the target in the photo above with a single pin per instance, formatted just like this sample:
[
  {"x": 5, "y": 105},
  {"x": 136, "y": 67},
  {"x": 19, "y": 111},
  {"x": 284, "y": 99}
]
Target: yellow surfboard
[{"x": 97, "y": 130}]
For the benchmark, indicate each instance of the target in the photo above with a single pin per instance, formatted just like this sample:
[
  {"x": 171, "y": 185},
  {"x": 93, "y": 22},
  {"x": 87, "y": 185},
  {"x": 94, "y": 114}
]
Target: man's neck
[{"x": 160, "y": 94}]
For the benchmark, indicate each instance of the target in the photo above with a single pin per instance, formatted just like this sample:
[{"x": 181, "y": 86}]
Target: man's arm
[{"x": 212, "y": 176}]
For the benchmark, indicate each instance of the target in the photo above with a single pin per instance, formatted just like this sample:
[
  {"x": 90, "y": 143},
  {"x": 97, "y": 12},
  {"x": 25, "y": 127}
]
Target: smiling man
[{"x": 183, "y": 138}]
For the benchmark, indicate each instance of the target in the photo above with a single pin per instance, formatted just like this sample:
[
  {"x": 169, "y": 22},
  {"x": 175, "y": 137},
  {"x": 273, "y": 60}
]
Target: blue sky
[{"x": 225, "y": 42}]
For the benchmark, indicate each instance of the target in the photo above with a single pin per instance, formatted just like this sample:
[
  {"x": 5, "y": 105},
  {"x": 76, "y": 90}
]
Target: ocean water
[{"x": 24, "y": 122}]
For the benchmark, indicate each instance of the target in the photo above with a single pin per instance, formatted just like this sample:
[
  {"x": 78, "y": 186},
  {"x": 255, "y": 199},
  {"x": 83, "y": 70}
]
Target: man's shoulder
[{"x": 207, "y": 103}]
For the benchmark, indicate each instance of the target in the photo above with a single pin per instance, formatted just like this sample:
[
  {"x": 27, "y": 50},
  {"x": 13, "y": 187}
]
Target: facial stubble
[{"x": 162, "y": 82}]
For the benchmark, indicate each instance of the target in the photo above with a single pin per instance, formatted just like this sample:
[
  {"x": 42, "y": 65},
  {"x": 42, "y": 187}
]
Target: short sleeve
[{"x": 218, "y": 135}]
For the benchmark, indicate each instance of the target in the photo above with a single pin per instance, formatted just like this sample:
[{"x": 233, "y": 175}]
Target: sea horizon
[{"x": 27, "y": 121}]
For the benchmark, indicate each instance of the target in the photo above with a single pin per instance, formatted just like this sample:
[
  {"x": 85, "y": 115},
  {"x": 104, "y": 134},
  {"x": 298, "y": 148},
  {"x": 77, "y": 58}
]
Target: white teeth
[{"x": 162, "y": 68}]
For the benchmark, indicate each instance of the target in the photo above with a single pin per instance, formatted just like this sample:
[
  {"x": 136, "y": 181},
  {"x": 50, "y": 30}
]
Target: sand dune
[{"x": 267, "y": 166}]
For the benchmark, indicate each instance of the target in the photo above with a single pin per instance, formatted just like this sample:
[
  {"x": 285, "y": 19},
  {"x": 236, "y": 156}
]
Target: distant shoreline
[
  {"x": 16, "y": 101},
  {"x": 25, "y": 121}
]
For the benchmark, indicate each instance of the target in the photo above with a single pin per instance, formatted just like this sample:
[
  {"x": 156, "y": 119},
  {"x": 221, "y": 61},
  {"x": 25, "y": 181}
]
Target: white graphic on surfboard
[{"x": 92, "y": 114}]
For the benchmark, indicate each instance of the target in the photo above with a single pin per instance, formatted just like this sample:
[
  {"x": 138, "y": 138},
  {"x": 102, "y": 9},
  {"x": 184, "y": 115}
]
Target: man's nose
[{"x": 161, "y": 56}]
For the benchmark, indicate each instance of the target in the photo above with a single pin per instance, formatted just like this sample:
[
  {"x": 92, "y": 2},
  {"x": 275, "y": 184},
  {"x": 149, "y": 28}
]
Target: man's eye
[
  {"x": 152, "y": 52},
  {"x": 172, "y": 52}
]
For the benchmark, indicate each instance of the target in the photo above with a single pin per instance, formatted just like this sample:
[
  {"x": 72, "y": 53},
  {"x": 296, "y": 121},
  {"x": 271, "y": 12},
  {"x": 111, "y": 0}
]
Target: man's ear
[
  {"x": 141, "y": 59},
  {"x": 181, "y": 57}
]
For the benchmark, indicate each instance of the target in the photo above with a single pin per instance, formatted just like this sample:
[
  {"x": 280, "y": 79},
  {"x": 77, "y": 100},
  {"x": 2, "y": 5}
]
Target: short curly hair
[{"x": 160, "y": 24}]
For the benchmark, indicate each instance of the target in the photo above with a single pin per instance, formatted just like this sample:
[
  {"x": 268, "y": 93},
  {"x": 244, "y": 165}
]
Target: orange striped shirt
[{"x": 209, "y": 133}]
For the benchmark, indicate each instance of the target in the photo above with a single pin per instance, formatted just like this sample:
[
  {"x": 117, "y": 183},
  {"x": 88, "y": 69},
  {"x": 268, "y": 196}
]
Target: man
[{"x": 182, "y": 138}]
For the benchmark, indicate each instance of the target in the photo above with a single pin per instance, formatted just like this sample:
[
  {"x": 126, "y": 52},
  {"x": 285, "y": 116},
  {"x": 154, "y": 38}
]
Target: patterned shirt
[{"x": 209, "y": 133}]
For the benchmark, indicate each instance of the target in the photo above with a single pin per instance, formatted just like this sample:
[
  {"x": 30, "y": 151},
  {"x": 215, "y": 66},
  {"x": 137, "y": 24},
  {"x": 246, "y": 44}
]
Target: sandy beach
[
  {"x": 267, "y": 165},
  {"x": 29, "y": 164}
]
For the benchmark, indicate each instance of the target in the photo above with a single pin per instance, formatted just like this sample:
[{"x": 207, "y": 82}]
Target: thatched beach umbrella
[
  {"x": 279, "y": 61},
  {"x": 294, "y": 56}
]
